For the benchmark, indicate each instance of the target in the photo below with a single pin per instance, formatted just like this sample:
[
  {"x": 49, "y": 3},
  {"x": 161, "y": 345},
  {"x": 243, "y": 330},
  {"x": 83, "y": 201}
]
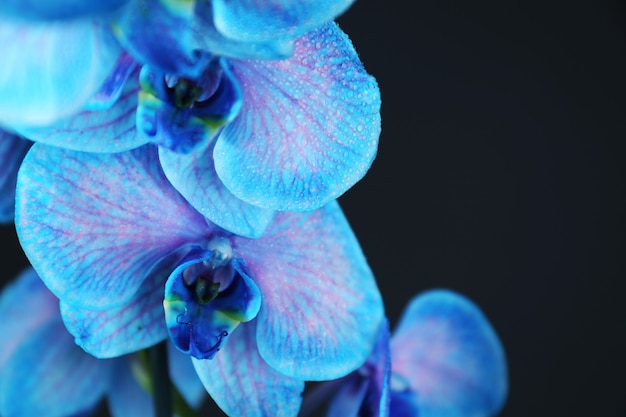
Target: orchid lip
[
  {"x": 206, "y": 297},
  {"x": 182, "y": 114}
]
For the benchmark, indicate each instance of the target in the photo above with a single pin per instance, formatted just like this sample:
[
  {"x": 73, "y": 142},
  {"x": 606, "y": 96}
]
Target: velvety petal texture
[
  {"x": 99, "y": 130},
  {"x": 308, "y": 129},
  {"x": 262, "y": 20},
  {"x": 321, "y": 307},
  {"x": 120, "y": 208},
  {"x": 450, "y": 356},
  {"x": 13, "y": 147},
  {"x": 243, "y": 384},
  {"x": 51, "y": 69},
  {"x": 212, "y": 199}
]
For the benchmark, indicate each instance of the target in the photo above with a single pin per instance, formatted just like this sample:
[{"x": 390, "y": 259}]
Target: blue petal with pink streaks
[
  {"x": 108, "y": 218},
  {"x": 194, "y": 176},
  {"x": 308, "y": 129},
  {"x": 321, "y": 307},
  {"x": 243, "y": 384}
]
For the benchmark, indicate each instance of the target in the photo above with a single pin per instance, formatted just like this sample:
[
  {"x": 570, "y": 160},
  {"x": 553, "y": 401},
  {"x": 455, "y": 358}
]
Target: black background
[{"x": 500, "y": 175}]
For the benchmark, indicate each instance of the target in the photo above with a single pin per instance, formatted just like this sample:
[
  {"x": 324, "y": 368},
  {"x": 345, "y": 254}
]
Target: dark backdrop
[{"x": 499, "y": 175}]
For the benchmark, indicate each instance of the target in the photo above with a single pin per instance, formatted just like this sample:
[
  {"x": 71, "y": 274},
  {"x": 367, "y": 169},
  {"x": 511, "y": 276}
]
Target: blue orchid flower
[
  {"x": 12, "y": 150},
  {"x": 58, "y": 54},
  {"x": 299, "y": 303},
  {"x": 43, "y": 372},
  {"x": 289, "y": 135},
  {"x": 443, "y": 360}
]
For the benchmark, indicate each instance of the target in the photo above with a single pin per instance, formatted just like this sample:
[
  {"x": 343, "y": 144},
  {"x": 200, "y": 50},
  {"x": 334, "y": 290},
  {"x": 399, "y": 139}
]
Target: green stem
[
  {"x": 160, "y": 376},
  {"x": 142, "y": 370},
  {"x": 181, "y": 408}
]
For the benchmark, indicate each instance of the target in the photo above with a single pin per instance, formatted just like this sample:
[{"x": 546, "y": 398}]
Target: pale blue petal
[
  {"x": 58, "y": 9},
  {"x": 110, "y": 130},
  {"x": 308, "y": 129},
  {"x": 261, "y": 20},
  {"x": 136, "y": 325},
  {"x": 12, "y": 150},
  {"x": 126, "y": 398},
  {"x": 194, "y": 176},
  {"x": 107, "y": 218},
  {"x": 243, "y": 384},
  {"x": 321, "y": 307},
  {"x": 25, "y": 305},
  {"x": 185, "y": 378},
  {"x": 49, "y": 375},
  {"x": 451, "y": 356},
  {"x": 51, "y": 69}
]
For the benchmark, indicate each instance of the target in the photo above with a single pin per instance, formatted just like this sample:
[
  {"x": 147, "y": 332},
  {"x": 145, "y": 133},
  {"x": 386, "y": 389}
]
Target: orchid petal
[
  {"x": 194, "y": 176},
  {"x": 110, "y": 130},
  {"x": 134, "y": 326},
  {"x": 321, "y": 307},
  {"x": 243, "y": 384},
  {"x": 118, "y": 220},
  {"x": 262, "y": 20},
  {"x": 127, "y": 398},
  {"x": 184, "y": 376},
  {"x": 51, "y": 69},
  {"x": 12, "y": 150},
  {"x": 59, "y": 9},
  {"x": 308, "y": 129},
  {"x": 51, "y": 379},
  {"x": 25, "y": 305},
  {"x": 450, "y": 356}
]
